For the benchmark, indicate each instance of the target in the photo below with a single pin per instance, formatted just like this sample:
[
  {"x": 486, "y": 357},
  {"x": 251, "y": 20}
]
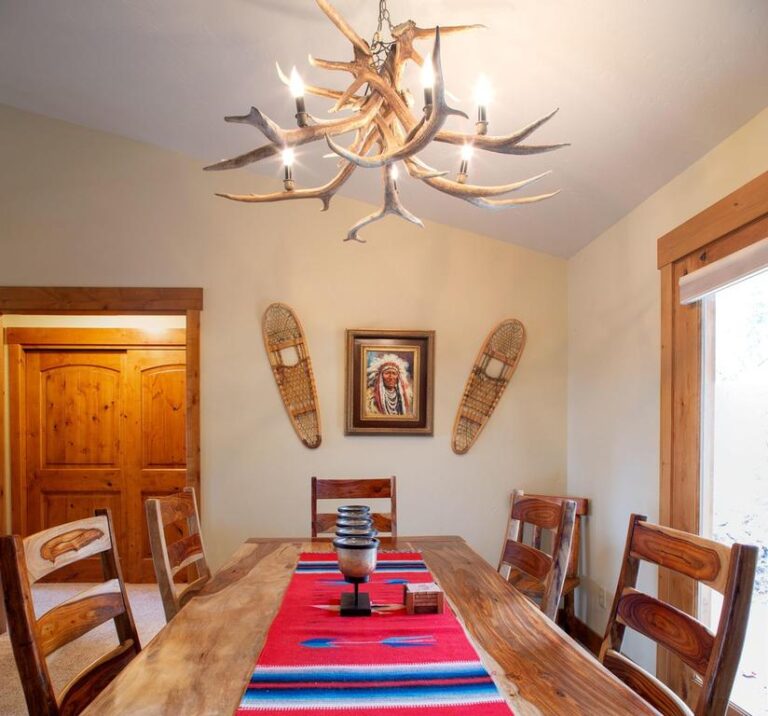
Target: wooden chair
[
  {"x": 24, "y": 562},
  {"x": 533, "y": 588},
  {"x": 170, "y": 559},
  {"x": 713, "y": 656},
  {"x": 356, "y": 489},
  {"x": 528, "y": 568}
]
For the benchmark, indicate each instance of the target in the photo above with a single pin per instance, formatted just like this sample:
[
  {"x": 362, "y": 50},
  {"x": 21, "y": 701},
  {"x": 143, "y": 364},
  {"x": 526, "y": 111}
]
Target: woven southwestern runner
[{"x": 389, "y": 664}]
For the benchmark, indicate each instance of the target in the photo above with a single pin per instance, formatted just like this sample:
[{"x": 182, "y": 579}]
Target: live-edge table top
[{"x": 200, "y": 662}]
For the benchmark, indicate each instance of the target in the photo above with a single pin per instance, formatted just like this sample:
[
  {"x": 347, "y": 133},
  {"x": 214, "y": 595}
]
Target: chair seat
[{"x": 533, "y": 588}]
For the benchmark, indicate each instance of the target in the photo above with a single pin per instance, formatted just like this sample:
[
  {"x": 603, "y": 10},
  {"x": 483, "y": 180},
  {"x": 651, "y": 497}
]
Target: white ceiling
[{"x": 645, "y": 87}]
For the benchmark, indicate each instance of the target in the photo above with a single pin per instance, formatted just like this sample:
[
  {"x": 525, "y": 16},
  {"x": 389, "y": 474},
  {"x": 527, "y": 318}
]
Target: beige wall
[
  {"x": 613, "y": 358},
  {"x": 81, "y": 207}
]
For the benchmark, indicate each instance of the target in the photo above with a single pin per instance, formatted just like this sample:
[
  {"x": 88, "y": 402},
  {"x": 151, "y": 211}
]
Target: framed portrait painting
[{"x": 389, "y": 382}]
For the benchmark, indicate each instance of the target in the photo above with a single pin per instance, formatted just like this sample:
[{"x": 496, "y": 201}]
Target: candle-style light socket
[
  {"x": 481, "y": 127},
  {"x": 302, "y": 118},
  {"x": 288, "y": 182},
  {"x": 461, "y": 177}
]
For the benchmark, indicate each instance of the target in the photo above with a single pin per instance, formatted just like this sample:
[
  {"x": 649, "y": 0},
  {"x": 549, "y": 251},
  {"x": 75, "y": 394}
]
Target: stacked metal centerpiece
[{"x": 356, "y": 548}]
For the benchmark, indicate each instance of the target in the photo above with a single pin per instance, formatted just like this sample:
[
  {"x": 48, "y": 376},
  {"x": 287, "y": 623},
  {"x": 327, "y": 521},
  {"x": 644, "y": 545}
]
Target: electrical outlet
[{"x": 601, "y": 598}]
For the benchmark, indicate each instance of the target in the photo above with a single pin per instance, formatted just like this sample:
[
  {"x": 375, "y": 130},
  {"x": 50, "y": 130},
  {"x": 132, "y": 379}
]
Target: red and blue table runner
[{"x": 389, "y": 664}]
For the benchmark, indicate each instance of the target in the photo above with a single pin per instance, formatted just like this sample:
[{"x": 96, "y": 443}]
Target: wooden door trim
[
  {"x": 97, "y": 299},
  {"x": 735, "y": 222},
  {"x": 17, "y": 369},
  {"x": 193, "y": 401},
  {"x": 95, "y": 337},
  {"x": 2, "y": 452},
  {"x": 69, "y": 300}
]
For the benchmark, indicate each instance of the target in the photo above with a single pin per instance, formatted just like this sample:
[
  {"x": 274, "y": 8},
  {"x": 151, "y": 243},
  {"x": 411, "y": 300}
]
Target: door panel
[
  {"x": 158, "y": 465},
  {"x": 163, "y": 399},
  {"x": 101, "y": 428},
  {"x": 75, "y": 407}
]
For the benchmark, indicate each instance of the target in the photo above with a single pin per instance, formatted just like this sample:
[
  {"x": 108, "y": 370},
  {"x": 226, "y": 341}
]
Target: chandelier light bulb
[
  {"x": 466, "y": 152},
  {"x": 428, "y": 81},
  {"x": 296, "y": 84},
  {"x": 483, "y": 91},
  {"x": 394, "y": 172},
  {"x": 288, "y": 159},
  {"x": 483, "y": 96},
  {"x": 427, "y": 73}
]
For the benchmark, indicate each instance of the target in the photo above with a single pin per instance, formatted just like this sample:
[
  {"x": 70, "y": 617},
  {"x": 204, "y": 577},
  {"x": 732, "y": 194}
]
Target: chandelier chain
[{"x": 380, "y": 47}]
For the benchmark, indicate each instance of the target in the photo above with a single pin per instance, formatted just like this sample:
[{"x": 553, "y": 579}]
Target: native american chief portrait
[{"x": 389, "y": 383}]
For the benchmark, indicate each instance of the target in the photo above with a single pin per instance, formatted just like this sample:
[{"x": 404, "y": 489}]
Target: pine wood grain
[{"x": 200, "y": 664}]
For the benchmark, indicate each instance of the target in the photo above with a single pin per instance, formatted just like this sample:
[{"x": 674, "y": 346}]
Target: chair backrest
[
  {"x": 582, "y": 510},
  {"x": 24, "y": 562},
  {"x": 557, "y": 517},
  {"x": 170, "y": 559},
  {"x": 356, "y": 489},
  {"x": 713, "y": 656}
]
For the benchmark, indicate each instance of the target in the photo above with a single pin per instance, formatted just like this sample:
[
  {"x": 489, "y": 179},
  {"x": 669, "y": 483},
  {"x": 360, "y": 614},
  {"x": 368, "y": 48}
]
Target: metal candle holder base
[{"x": 357, "y": 603}]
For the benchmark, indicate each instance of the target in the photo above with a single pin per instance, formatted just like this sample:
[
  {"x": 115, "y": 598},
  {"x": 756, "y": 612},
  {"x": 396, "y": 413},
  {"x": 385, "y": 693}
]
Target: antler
[
  {"x": 345, "y": 28},
  {"x": 325, "y": 192},
  {"x": 381, "y": 114},
  {"x": 317, "y": 91},
  {"x": 294, "y": 137},
  {"x": 506, "y": 144},
  {"x": 419, "y": 170},
  {"x": 392, "y": 205},
  {"x": 422, "y": 135},
  {"x": 473, "y": 193}
]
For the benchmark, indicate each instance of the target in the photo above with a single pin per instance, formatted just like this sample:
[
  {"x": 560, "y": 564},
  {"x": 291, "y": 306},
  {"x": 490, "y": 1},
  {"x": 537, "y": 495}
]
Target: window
[
  {"x": 734, "y": 467},
  {"x": 697, "y": 260}
]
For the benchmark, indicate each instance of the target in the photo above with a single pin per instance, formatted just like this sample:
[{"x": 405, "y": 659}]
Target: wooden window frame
[
  {"x": 733, "y": 223},
  {"x": 132, "y": 301}
]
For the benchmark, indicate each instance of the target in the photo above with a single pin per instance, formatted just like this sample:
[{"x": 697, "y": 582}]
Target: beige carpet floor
[{"x": 68, "y": 661}]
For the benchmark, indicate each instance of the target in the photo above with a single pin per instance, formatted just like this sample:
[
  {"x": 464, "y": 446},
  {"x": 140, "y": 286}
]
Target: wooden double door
[{"x": 96, "y": 426}]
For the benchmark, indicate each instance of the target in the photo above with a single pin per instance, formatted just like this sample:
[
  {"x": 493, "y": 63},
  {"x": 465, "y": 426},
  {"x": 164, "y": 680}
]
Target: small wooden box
[{"x": 425, "y": 598}]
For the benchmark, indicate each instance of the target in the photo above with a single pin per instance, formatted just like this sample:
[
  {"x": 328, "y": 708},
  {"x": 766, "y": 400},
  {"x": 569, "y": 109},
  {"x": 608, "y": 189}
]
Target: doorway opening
[{"x": 100, "y": 388}]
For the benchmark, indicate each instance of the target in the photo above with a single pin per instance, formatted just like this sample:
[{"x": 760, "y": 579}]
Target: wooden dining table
[{"x": 202, "y": 660}]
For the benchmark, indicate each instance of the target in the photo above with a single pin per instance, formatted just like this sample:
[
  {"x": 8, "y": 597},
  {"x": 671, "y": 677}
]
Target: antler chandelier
[{"x": 382, "y": 118}]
